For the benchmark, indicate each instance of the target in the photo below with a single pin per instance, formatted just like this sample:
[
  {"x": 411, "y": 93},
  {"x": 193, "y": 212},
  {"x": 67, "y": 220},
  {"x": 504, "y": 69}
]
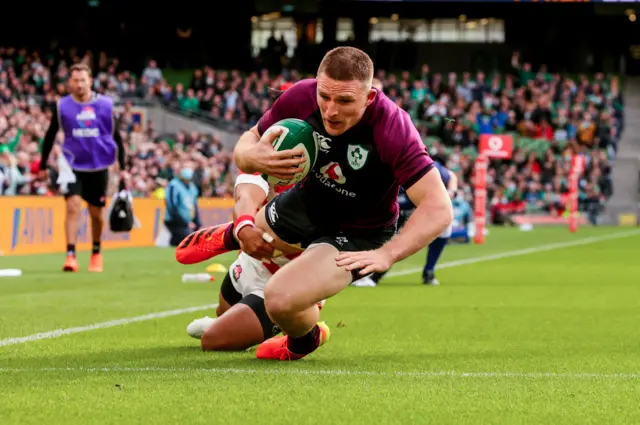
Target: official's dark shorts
[
  {"x": 90, "y": 186},
  {"x": 289, "y": 218},
  {"x": 178, "y": 232}
]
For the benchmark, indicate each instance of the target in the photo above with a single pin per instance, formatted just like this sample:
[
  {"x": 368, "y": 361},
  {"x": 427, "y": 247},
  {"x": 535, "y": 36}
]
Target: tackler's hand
[
  {"x": 253, "y": 243},
  {"x": 378, "y": 260}
]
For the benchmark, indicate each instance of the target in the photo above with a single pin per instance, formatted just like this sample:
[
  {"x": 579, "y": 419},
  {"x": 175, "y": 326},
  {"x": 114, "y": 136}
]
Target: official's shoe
[
  {"x": 429, "y": 278},
  {"x": 70, "y": 264},
  {"x": 364, "y": 282},
  {"x": 95, "y": 263}
]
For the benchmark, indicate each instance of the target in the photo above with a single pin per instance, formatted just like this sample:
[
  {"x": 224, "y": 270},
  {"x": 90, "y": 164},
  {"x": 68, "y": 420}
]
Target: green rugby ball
[{"x": 295, "y": 134}]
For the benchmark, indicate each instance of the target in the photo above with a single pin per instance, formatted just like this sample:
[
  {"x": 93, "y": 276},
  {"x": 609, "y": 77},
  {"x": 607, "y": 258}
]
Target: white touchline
[
  {"x": 103, "y": 325},
  {"x": 332, "y": 372},
  {"x": 518, "y": 252},
  {"x": 159, "y": 315}
]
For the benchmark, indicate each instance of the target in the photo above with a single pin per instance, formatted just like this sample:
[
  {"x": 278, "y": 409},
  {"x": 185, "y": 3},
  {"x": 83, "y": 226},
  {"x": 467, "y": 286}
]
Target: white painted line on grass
[
  {"x": 103, "y": 325},
  {"x": 519, "y": 252},
  {"x": 330, "y": 372},
  {"x": 153, "y": 316}
]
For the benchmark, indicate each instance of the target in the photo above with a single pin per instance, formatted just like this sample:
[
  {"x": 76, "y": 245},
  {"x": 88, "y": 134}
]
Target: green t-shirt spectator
[{"x": 189, "y": 104}]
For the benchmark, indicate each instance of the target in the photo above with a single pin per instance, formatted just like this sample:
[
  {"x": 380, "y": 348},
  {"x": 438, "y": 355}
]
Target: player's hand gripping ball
[{"x": 295, "y": 134}]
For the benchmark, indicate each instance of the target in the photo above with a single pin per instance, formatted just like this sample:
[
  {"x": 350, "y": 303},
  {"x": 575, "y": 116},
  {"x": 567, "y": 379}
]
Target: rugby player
[
  {"x": 242, "y": 320},
  {"x": 344, "y": 212},
  {"x": 436, "y": 247}
]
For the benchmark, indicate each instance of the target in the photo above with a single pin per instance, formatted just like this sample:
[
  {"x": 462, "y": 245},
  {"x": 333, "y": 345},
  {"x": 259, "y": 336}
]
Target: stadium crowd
[{"x": 550, "y": 117}]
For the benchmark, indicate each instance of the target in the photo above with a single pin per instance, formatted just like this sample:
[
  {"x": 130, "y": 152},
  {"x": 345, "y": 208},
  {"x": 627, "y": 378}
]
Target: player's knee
[
  {"x": 95, "y": 213},
  {"x": 277, "y": 303},
  {"x": 73, "y": 206}
]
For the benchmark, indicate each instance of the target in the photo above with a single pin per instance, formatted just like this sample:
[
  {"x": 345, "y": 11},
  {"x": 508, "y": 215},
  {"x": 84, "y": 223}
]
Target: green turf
[{"x": 547, "y": 337}]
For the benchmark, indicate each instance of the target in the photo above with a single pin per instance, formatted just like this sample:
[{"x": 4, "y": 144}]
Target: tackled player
[
  {"x": 344, "y": 212},
  {"x": 242, "y": 320}
]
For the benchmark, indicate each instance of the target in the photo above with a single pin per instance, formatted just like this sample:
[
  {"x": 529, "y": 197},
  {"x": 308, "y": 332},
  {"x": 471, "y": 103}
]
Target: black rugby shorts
[
  {"x": 90, "y": 186},
  {"x": 289, "y": 218}
]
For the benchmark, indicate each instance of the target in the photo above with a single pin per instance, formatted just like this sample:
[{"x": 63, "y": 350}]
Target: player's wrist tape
[{"x": 243, "y": 221}]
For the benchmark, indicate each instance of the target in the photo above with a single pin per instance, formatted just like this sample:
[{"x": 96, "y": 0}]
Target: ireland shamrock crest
[{"x": 356, "y": 156}]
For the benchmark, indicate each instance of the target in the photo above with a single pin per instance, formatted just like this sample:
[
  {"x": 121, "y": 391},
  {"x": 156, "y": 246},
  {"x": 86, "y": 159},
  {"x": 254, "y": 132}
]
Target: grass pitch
[{"x": 537, "y": 327}]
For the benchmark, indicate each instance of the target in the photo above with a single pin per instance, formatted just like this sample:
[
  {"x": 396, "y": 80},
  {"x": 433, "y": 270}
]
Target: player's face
[
  {"x": 342, "y": 103},
  {"x": 80, "y": 83}
]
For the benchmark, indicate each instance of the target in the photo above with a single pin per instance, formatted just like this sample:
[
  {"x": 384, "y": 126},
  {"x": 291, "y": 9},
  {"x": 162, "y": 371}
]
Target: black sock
[
  {"x": 230, "y": 242},
  {"x": 71, "y": 249},
  {"x": 376, "y": 277},
  {"x": 306, "y": 343},
  {"x": 96, "y": 248}
]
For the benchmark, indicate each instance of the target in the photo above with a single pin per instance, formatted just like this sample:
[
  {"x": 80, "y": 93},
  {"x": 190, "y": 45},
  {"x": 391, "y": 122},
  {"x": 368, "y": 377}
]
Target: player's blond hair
[{"x": 347, "y": 64}]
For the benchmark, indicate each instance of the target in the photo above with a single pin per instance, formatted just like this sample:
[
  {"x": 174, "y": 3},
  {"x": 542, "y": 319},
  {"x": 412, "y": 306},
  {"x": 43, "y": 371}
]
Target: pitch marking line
[
  {"x": 103, "y": 325},
  {"x": 519, "y": 252},
  {"x": 162, "y": 314},
  {"x": 425, "y": 374}
]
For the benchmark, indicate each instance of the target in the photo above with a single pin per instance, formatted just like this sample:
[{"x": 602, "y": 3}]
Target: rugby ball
[{"x": 295, "y": 134}]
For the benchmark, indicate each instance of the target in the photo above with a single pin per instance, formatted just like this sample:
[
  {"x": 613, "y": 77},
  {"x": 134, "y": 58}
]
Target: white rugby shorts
[{"x": 249, "y": 276}]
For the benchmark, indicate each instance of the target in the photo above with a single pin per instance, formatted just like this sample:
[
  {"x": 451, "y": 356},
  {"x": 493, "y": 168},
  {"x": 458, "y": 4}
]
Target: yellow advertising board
[{"x": 35, "y": 225}]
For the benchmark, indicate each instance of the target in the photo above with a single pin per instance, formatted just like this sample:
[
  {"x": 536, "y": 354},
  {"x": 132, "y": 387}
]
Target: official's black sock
[
  {"x": 376, "y": 277},
  {"x": 305, "y": 344},
  {"x": 71, "y": 249},
  {"x": 96, "y": 248},
  {"x": 230, "y": 242}
]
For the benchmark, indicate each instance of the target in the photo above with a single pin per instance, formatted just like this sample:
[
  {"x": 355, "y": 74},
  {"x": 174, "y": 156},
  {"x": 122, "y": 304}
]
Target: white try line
[
  {"x": 153, "y": 316},
  {"x": 292, "y": 371},
  {"x": 519, "y": 252}
]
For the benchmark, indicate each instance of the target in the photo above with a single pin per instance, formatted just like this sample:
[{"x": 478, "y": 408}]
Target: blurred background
[{"x": 562, "y": 78}]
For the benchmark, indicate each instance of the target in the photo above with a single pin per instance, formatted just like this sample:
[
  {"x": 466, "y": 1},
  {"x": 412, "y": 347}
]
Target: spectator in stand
[{"x": 550, "y": 116}]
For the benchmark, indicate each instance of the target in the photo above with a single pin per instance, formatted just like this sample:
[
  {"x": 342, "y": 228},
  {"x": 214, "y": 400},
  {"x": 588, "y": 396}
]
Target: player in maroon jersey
[{"x": 345, "y": 211}]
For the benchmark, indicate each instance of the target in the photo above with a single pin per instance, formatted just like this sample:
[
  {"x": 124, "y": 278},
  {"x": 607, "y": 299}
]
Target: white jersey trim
[{"x": 253, "y": 179}]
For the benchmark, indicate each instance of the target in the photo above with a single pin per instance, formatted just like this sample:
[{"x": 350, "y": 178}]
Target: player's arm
[
  {"x": 49, "y": 140},
  {"x": 249, "y": 194},
  {"x": 401, "y": 147},
  {"x": 431, "y": 217},
  {"x": 254, "y": 151},
  {"x": 424, "y": 185}
]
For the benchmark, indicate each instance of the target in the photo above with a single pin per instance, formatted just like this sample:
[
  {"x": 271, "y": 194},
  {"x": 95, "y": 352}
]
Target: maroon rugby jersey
[{"x": 354, "y": 183}]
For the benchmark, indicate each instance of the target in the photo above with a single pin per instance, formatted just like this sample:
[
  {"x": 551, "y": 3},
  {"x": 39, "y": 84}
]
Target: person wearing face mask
[{"x": 181, "y": 201}]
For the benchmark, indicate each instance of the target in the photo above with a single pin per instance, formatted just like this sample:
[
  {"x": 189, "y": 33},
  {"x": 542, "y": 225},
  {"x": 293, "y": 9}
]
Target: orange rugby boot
[
  {"x": 95, "y": 263},
  {"x": 203, "y": 245},
  {"x": 276, "y": 348},
  {"x": 70, "y": 264}
]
